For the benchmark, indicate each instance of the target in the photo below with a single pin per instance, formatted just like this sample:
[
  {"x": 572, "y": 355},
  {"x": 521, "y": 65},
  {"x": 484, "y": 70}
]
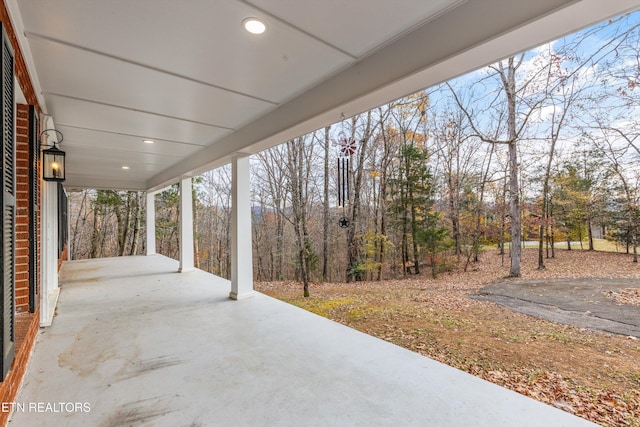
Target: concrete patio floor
[{"x": 136, "y": 343}]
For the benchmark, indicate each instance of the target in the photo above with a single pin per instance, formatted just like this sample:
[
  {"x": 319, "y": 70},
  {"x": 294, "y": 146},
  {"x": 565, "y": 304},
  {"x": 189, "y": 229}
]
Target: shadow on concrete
[{"x": 585, "y": 303}]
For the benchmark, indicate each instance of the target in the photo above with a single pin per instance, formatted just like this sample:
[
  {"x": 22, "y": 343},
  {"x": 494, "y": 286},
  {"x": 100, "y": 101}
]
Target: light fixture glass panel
[
  {"x": 254, "y": 25},
  {"x": 53, "y": 164}
]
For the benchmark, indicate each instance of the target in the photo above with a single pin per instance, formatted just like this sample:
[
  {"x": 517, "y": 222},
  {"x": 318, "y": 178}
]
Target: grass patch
[
  {"x": 600, "y": 245},
  {"x": 363, "y": 313},
  {"x": 321, "y": 306},
  {"x": 560, "y": 336}
]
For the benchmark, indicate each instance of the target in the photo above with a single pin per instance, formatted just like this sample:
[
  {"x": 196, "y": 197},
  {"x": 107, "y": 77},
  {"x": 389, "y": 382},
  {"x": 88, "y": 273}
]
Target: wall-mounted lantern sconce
[{"x": 53, "y": 166}]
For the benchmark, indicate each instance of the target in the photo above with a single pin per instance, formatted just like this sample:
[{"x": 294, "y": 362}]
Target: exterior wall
[
  {"x": 20, "y": 71},
  {"x": 26, "y": 323}
]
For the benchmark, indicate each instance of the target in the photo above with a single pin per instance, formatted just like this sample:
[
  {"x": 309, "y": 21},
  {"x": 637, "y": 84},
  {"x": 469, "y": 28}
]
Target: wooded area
[{"x": 542, "y": 146}]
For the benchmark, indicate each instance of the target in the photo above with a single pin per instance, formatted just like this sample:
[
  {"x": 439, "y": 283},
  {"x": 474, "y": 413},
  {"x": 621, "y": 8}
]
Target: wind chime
[{"x": 347, "y": 147}]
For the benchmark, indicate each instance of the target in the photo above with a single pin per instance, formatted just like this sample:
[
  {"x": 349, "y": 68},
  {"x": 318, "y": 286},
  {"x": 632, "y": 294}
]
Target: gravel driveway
[{"x": 585, "y": 303}]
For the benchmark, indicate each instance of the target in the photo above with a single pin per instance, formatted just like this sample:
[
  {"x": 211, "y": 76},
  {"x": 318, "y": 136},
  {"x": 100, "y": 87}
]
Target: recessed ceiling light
[
  {"x": 125, "y": 168},
  {"x": 149, "y": 141},
  {"x": 254, "y": 25}
]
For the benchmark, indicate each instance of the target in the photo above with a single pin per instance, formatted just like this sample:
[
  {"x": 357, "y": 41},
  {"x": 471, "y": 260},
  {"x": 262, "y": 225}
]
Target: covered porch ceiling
[{"x": 185, "y": 74}]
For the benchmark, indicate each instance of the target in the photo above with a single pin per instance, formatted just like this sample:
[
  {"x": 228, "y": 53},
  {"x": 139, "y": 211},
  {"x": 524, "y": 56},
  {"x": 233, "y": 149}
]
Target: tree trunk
[
  {"x": 279, "y": 246},
  {"x": 589, "y": 231},
  {"x": 95, "y": 236},
  {"x": 325, "y": 211},
  {"x": 303, "y": 182},
  {"x": 479, "y": 209},
  {"x": 544, "y": 217},
  {"x": 296, "y": 166},
  {"x": 514, "y": 186},
  {"x": 514, "y": 212},
  {"x": 74, "y": 241},
  {"x": 123, "y": 224},
  {"x": 382, "y": 190},
  {"x": 136, "y": 224},
  {"x": 541, "y": 238},
  {"x": 103, "y": 235},
  {"x": 383, "y": 222},
  {"x": 553, "y": 230},
  {"x": 353, "y": 254},
  {"x": 196, "y": 240},
  {"x": 454, "y": 212}
]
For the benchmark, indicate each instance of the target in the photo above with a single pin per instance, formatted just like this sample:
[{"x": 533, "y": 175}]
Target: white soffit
[
  {"x": 357, "y": 27},
  {"x": 197, "y": 39}
]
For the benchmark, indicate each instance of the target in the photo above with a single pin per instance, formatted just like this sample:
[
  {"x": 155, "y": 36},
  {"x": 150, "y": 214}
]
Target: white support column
[
  {"x": 151, "y": 224},
  {"x": 186, "y": 226},
  {"x": 241, "y": 248},
  {"x": 49, "y": 289}
]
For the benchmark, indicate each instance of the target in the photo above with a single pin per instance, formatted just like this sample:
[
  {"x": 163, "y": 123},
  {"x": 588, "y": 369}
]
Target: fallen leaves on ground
[
  {"x": 603, "y": 407},
  {"x": 590, "y": 374},
  {"x": 625, "y": 296}
]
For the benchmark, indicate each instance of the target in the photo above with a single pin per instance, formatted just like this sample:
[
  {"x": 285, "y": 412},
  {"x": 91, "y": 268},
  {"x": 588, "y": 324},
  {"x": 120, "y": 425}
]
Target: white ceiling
[{"x": 185, "y": 73}]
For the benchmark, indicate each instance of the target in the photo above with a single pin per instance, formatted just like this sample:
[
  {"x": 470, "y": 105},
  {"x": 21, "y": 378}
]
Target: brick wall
[
  {"x": 27, "y": 325},
  {"x": 22, "y": 208}
]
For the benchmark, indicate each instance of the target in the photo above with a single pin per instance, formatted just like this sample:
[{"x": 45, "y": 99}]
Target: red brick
[
  {"x": 22, "y": 306},
  {"x": 24, "y": 260},
  {"x": 23, "y": 251}
]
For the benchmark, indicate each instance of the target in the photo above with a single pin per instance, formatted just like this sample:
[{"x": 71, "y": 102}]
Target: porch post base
[
  {"x": 46, "y": 315},
  {"x": 242, "y": 295}
]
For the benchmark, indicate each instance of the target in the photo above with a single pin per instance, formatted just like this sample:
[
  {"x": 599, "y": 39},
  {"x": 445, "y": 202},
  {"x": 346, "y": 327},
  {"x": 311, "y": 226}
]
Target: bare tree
[
  {"x": 353, "y": 252},
  {"x": 562, "y": 98},
  {"x": 274, "y": 178},
  {"x": 299, "y": 156},
  {"x": 510, "y": 107}
]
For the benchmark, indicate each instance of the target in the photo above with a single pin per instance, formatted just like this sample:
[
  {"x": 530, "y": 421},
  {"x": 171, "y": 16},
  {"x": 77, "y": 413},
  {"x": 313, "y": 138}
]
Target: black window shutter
[
  {"x": 7, "y": 118},
  {"x": 34, "y": 168}
]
